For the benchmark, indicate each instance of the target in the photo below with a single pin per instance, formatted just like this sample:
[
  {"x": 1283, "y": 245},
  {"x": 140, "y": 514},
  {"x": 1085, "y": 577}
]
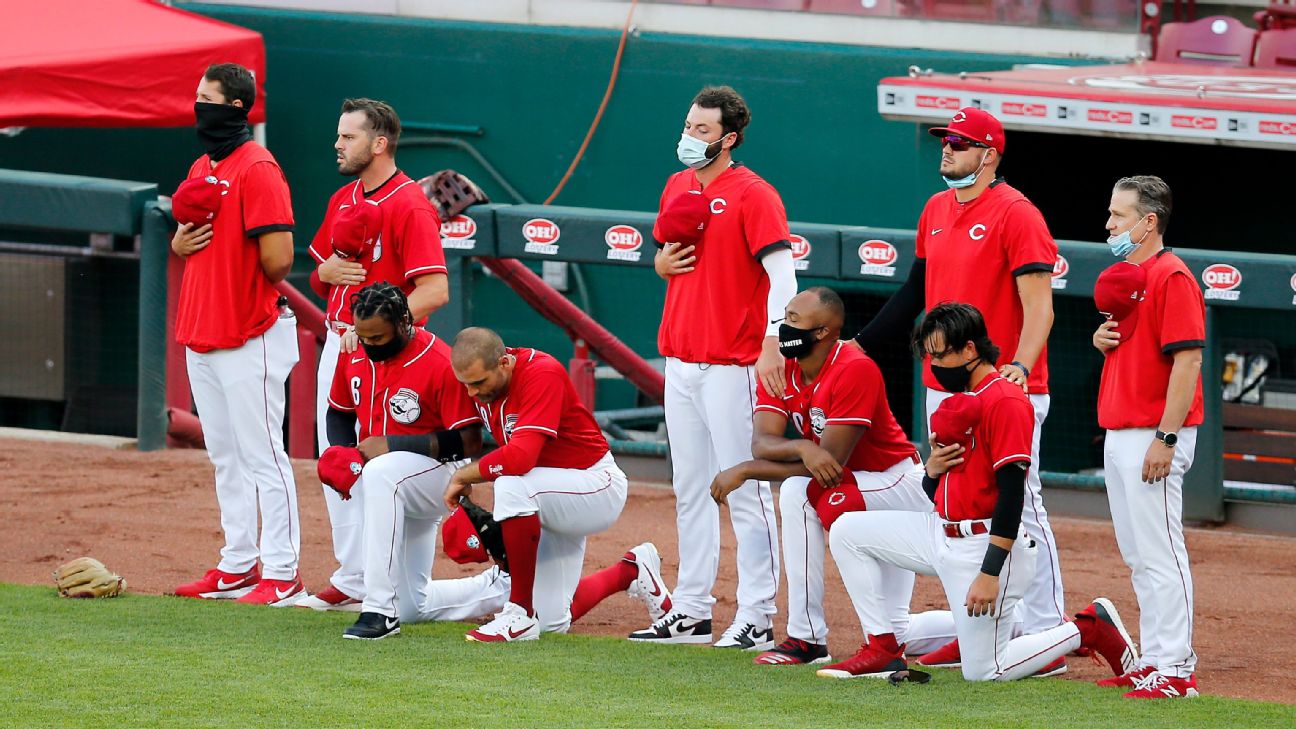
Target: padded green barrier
[{"x": 72, "y": 203}]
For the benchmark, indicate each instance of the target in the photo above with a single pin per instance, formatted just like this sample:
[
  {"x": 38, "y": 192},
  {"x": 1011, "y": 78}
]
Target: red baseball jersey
[
  {"x": 848, "y": 391},
  {"x": 412, "y": 393},
  {"x": 975, "y": 252},
  {"x": 541, "y": 399},
  {"x": 716, "y": 314},
  {"x": 226, "y": 298},
  {"x": 409, "y": 246},
  {"x": 1003, "y": 436},
  {"x": 1172, "y": 316}
]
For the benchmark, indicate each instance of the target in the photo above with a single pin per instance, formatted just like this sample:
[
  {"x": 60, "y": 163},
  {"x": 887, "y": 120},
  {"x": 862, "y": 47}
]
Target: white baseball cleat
[
  {"x": 747, "y": 636},
  {"x": 510, "y": 624},
  {"x": 648, "y": 587}
]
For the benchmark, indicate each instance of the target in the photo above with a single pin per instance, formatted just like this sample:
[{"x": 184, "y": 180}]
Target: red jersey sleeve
[
  {"x": 1008, "y": 426},
  {"x": 421, "y": 244},
  {"x": 267, "y": 206},
  {"x": 920, "y": 240},
  {"x": 457, "y": 409},
  {"x": 341, "y": 397},
  {"x": 764, "y": 220},
  {"x": 1026, "y": 237},
  {"x": 766, "y": 401},
  {"x": 321, "y": 246},
  {"x": 1182, "y": 315},
  {"x": 661, "y": 205},
  {"x": 853, "y": 399}
]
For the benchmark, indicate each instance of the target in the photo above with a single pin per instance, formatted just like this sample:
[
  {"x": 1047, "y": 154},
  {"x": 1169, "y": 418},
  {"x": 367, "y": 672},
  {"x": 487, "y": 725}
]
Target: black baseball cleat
[
  {"x": 373, "y": 626},
  {"x": 676, "y": 628}
]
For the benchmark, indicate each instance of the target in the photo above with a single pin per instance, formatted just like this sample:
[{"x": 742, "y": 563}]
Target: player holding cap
[
  {"x": 1150, "y": 403},
  {"x": 983, "y": 224},
  {"x": 727, "y": 260},
  {"x": 416, "y": 425},
  {"x": 240, "y": 342},
  {"x": 554, "y": 477},
  {"x": 380, "y": 227},
  {"x": 973, "y": 541},
  {"x": 851, "y": 455}
]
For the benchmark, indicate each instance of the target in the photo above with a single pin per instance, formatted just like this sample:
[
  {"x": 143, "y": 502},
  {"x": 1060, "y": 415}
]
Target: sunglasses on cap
[{"x": 959, "y": 144}]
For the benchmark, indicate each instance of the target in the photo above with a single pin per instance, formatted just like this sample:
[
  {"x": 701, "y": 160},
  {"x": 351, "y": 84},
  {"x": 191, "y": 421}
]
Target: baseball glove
[
  {"x": 489, "y": 531},
  {"x": 87, "y": 577},
  {"x": 452, "y": 193}
]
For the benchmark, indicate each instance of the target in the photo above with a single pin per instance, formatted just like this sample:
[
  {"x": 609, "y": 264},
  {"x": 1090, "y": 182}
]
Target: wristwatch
[{"x": 1169, "y": 439}]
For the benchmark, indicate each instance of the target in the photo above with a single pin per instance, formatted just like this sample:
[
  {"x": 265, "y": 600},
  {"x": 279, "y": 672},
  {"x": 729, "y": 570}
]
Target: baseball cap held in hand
[
  {"x": 356, "y": 228},
  {"x": 460, "y": 539},
  {"x": 198, "y": 200},
  {"x": 1117, "y": 294},
  {"x": 684, "y": 219},
  {"x": 955, "y": 421},
  {"x": 339, "y": 468}
]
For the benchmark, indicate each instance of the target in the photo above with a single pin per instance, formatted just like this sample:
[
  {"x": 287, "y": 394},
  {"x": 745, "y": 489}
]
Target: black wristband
[
  {"x": 450, "y": 445},
  {"x": 418, "y": 444},
  {"x": 995, "y": 557},
  {"x": 1025, "y": 370}
]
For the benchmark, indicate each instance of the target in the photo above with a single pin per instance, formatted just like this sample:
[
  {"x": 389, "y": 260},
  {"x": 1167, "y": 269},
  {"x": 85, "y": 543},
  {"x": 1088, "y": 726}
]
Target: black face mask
[
  {"x": 954, "y": 379},
  {"x": 796, "y": 343},
  {"x": 383, "y": 352},
  {"x": 221, "y": 128}
]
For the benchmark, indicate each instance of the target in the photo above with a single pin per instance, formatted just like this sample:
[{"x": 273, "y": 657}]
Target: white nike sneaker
[
  {"x": 676, "y": 628},
  {"x": 747, "y": 636},
  {"x": 510, "y": 624},
  {"x": 648, "y": 587}
]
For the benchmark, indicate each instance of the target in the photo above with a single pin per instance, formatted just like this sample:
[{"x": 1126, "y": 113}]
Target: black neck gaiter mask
[{"x": 221, "y": 128}]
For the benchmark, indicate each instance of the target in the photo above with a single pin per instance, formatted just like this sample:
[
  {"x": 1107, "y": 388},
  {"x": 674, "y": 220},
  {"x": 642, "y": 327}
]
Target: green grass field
[{"x": 143, "y": 661}]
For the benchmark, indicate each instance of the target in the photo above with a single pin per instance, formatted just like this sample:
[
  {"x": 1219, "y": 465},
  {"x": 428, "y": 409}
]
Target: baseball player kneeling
[
  {"x": 416, "y": 425},
  {"x": 973, "y": 541},
  {"x": 555, "y": 479}
]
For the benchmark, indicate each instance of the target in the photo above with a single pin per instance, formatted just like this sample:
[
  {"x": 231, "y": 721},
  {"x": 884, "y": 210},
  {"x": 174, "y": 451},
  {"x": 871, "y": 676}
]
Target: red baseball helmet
[
  {"x": 356, "y": 227},
  {"x": 460, "y": 539},
  {"x": 198, "y": 200},
  {"x": 1117, "y": 294},
  {"x": 974, "y": 125},
  {"x": 684, "y": 219},
  {"x": 339, "y": 468}
]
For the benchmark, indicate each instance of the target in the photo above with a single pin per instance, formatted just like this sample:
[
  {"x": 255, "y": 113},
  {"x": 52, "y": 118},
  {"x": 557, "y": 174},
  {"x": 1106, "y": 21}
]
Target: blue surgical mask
[
  {"x": 962, "y": 182},
  {"x": 1121, "y": 245},
  {"x": 695, "y": 153}
]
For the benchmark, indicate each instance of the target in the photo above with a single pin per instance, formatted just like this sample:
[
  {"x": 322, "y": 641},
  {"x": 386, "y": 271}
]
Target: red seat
[
  {"x": 853, "y": 7},
  {"x": 1218, "y": 40},
  {"x": 1276, "y": 49}
]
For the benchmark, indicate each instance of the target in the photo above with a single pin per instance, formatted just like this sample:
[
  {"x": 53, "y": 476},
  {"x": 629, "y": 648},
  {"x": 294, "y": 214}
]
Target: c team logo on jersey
[
  {"x": 510, "y": 422},
  {"x": 404, "y": 406},
  {"x": 818, "y": 421},
  {"x": 877, "y": 258},
  {"x": 719, "y": 205},
  {"x": 458, "y": 232},
  {"x": 1222, "y": 282},
  {"x": 800, "y": 252},
  {"x": 1060, "y": 269},
  {"x": 623, "y": 243},
  {"x": 541, "y": 236}
]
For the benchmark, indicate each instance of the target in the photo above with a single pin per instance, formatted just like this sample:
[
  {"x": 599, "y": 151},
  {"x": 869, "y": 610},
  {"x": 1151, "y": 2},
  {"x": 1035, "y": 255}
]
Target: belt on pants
[{"x": 966, "y": 528}]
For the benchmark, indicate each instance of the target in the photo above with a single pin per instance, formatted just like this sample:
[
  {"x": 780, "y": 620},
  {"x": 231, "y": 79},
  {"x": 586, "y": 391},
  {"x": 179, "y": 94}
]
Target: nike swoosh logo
[
  {"x": 520, "y": 632},
  {"x": 936, "y": 230},
  {"x": 391, "y": 623},
  {"x": 281, "y": 594},
  {"x": 357, "y": 360},
  {"x": 656, "y": 591},
  {"x": 221, "y": 584},
  {"x": 682, "y": 628}
]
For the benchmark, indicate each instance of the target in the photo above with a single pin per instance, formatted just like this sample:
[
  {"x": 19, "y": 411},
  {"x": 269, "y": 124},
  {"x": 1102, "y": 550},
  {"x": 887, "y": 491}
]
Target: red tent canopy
[{"x": 113, "y": 63}]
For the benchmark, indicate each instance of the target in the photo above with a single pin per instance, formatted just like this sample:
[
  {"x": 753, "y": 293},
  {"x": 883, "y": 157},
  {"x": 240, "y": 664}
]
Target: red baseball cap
[
  {"x": 1117, "y": 294},
  {"x": 955, "y": 420},
  {"x": 684, "y": 219},
  {"x": 356, "y": 227},
  {"x": 460, "y": 539},
  {"x": 974, "y": 125},
  {"x": 197, "y": 200},
  {"x": 830, "y": 503},
  {"x": 339, "y": 468}
]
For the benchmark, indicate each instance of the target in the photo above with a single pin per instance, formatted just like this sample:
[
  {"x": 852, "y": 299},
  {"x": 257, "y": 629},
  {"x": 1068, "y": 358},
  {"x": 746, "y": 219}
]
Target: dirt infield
[{"x": 152, "y": 517}]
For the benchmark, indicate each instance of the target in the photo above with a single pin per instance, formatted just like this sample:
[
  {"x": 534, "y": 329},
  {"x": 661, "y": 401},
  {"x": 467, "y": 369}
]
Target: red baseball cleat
[
  {"x": 1102, "y": 631},
  {"x": 330, "y": 598},
  {"x": 1157, "y": 686},
  {"x": 1056, "y": 668},
  {"x": 217, "y": 585},
  {"x": 1127, "y": 680},
  {"x": 947, "y": 656},
  {"x": 275, "y": 593},
  {"x": 878, "y": 658}
]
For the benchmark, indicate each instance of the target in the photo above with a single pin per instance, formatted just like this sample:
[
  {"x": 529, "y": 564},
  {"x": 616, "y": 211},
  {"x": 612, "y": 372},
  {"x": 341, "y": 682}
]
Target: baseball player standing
[
  {"x": 973, "y": 542},
  {"x": 983, "y": 224},
  {"x": 392, "y": 234},
  {"x": 241, "y": 344},
  {"x": 851, "y": 456},
  {"x": 718, "y": 334},
  {"x": 1150, "y": 403},
  {"x": 554, "y": 477},
  {"x": 417, "y": 424}
]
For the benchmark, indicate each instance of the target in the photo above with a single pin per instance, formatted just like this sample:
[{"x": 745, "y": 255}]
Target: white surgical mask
[
  {"x": 958, "y": 183},
  {"x": 695, "y": 153},
  {"x": 1121, "y": 245}
]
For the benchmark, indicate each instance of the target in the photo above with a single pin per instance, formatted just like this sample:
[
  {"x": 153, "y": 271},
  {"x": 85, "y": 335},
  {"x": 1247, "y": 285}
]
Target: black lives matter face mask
[
  {"x": 796, "y": 343},
  {"x": 221, "y": 128}
]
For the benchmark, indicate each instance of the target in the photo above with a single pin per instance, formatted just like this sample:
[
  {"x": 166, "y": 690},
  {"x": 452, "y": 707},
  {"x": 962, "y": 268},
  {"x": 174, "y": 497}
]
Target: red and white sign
[
  {"x": 1060, "y": 268},
  {"x": 938, "y": 102},
  {"x": 800, "y": 252},
  {"x": 1187, "y": 121},
  {"x": 877, "y": 258},
  {"x": 458, "y": 232},
  {"x": 1111, "y": 116},
  {"x": 1286, "y": 129},
  {"x": 623, "y": 243},
  {"x": 1222, "y": 282},
  {"x": 1016, "y": 108},
  {"x": 541, "y": 236}
]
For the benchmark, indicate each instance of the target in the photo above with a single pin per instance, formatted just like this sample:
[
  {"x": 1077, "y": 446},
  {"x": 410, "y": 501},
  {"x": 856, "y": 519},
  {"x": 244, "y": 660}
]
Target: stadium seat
[
  {"x": 853, "y": 7},
  {"x": 1218, "y": 40},
  {"x": 1276, "y": 49}
]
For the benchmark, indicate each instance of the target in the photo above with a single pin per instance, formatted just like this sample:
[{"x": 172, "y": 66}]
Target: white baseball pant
[
  {"x": 346, "y": 517},
  {"x": 709, "y": 425},
  {"x": 862, "y": 542},
  {"x": 898, "y": 488},
  {"x": 1148, "y": 518},
  {"x": 1043, "y": 606},
  {"x": 461, "y": 599},
  {"x": 239, "y": 394},
  {"x": 572, "y": 504}
]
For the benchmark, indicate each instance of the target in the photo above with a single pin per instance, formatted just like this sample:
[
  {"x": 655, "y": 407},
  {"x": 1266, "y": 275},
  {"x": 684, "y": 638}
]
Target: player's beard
[{"x": 354, "y": 165}]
